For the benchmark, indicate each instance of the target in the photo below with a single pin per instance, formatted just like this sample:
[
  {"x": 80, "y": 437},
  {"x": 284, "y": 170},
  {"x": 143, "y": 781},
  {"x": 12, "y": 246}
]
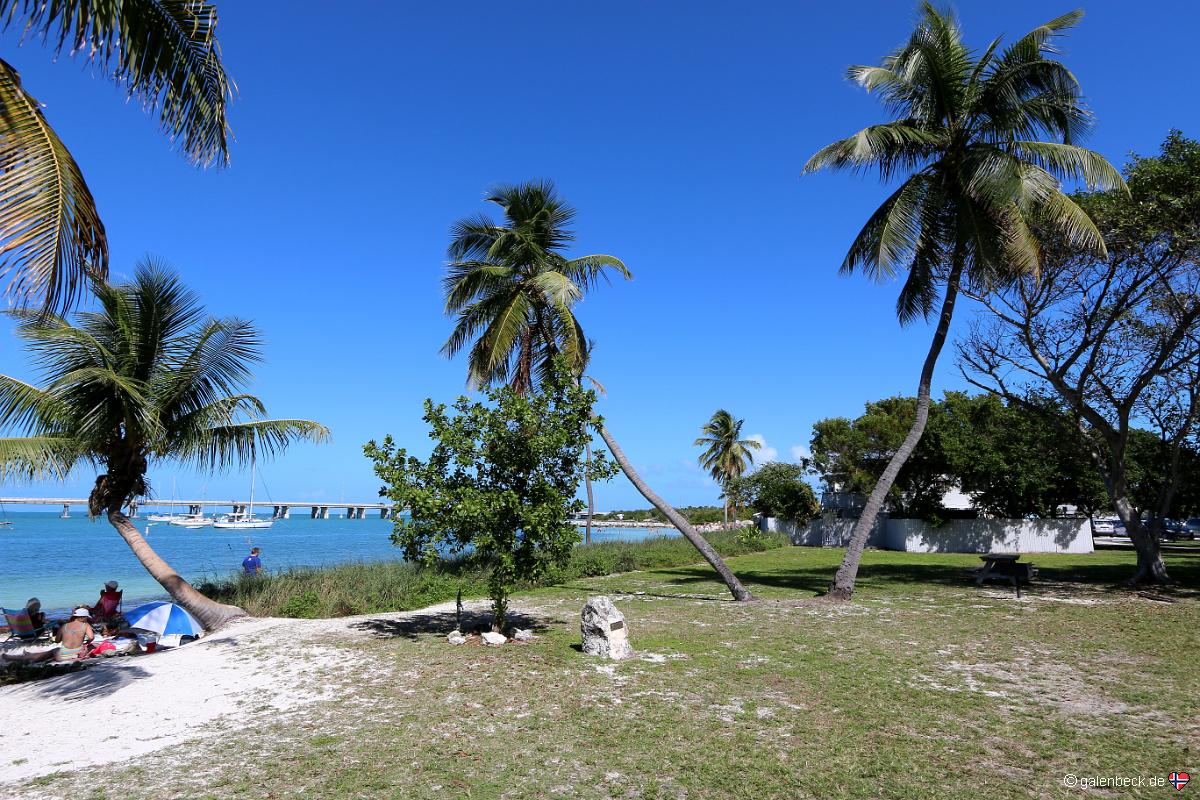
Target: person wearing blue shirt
[{"x": 252, "y": 564}]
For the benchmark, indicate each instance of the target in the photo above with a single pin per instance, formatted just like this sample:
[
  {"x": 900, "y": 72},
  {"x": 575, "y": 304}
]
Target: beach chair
[
  {"x": 21, "y": 627},
  {"x": 109, "y": 607}
]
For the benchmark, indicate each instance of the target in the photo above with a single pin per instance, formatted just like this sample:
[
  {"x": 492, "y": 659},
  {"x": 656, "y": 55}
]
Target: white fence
[{"x": 955, "y": 536}]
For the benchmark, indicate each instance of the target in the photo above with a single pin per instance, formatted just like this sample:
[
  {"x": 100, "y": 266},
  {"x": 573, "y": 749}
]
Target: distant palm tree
[
  {"x": 513, "y": 290},
  {"x": 164, "y": 53},
  {"x": 979, "y": 185},
  {"x": 726, "y": 455},
  {"x": 147, "y": 377}
]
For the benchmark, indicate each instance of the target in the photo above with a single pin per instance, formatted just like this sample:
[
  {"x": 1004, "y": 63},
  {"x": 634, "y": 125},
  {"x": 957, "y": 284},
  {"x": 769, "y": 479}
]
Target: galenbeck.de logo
[{"x": 1179, "y": 779}]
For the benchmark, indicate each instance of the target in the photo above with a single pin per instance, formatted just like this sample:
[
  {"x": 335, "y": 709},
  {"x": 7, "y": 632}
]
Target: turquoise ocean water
[{"x": 65, "y": 562}]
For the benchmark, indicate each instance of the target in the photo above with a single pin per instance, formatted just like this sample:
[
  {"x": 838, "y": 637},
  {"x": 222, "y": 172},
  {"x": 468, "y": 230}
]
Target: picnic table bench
[{"x": 1005, "y": 567}]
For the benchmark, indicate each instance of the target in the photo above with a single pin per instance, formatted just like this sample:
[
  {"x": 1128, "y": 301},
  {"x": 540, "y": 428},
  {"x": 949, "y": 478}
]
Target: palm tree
[
  {"x": 980, "y": 183},
  {"x": 147, "y": 377},
  {"x": 725, "y": 455},
  {"x": 164, "y": 53},
  {"x": 513, "y": 289},
  {"x": 514, "y": 294}
]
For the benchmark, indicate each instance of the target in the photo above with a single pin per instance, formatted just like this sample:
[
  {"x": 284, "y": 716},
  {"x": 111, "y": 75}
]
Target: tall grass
[{"x": 374, "y": 587}]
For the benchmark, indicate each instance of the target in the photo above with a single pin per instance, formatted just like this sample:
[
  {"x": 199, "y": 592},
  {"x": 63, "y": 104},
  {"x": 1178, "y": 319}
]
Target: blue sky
[{"x": 677, "y": 129}]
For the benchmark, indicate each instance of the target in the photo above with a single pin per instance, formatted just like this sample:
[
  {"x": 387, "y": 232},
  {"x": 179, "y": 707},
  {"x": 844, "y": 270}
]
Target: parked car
[
  {"x": 1191, "y": 528},
  {"x": 1104, "y": 526}
]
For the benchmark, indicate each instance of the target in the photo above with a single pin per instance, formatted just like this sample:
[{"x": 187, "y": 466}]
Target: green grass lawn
[{"x": 923, "y": 687}]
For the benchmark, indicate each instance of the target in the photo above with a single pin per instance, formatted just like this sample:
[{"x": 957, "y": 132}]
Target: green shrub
[{"x": 304, "y": 605}]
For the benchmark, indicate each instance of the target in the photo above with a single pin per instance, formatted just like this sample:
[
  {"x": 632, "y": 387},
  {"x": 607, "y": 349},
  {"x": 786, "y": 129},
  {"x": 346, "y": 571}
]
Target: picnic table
[{"x": 1004, "y": 567}]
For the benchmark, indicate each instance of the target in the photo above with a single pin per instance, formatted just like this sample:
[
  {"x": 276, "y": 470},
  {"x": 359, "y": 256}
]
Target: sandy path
[{"x": 120, "y": 708}]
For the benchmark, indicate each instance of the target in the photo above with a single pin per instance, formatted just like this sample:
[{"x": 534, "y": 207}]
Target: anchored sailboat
[
  {"x": 166, "y": 517},
  {"x": 244, "y": 520}
]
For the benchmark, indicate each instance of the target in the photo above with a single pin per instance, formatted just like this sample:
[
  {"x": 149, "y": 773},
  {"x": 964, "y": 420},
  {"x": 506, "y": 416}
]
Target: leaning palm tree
[
  {"x": 513, "y": 289},
  {"x": 164, "y": 53},
  {"x": 147, "y": 377},
  {"x": 979, "y": 183},
  {"x": 514, "y": 293},
  {"x": 693, "y": 536},
  {"x": 726, "y": 455}
]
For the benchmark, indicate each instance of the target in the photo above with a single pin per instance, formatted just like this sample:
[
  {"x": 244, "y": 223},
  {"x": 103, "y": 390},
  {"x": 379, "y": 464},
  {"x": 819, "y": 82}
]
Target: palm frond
[
  {"x": 491, "y": 353},
  {"x": 556, "y": 288},
  {"x": 588, "y": 271},
  {"x": 163, "y": 52},
  {"x": 31, "y": 458},
  {"x": 468, "y": 281},
  {"x": 888, "y": 147},
  {"x": 26, "y": 407},
  {"x": 221, "y": 447},
  {"x": 1070, "y": 161},
  {"x": 51, "y": 236},
  {"x": 891, "y": 234},
  {"x": 472, "y": 239}
]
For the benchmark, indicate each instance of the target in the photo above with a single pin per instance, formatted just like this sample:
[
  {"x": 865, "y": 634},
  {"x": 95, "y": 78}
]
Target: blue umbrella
[{"x": 165, "y": 619}]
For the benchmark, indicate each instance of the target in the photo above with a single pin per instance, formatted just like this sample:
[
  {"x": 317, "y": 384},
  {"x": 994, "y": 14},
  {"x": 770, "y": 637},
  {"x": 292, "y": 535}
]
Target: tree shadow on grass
[
  {"x": 613, "y": 588},
  {"x": 442, "y": 622},
  {"x": 1108, "y": 578}
]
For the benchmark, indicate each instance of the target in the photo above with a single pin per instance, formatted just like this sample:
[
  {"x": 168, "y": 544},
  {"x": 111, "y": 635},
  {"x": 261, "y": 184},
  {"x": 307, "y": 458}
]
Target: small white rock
[
  {"x": 456, "y": 637},
  {"x": 494, "y": 639},
  {"x": 520, "y": 635}
]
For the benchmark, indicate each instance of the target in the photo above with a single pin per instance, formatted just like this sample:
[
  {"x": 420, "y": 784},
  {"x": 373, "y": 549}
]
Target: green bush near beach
[{"x": 374, "y": 587}]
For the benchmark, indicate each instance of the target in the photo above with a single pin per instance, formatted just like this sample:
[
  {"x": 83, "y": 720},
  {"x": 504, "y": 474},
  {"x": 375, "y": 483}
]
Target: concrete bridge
[{"x": 317, "y": 509}]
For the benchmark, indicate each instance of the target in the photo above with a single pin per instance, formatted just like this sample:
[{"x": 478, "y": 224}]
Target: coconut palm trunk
[
  {"x": 211, "y": 614},
  {"x": 587, "y": 479},
  {"x": 843, "y": 582},
  {"x": 738, "y": 591}
]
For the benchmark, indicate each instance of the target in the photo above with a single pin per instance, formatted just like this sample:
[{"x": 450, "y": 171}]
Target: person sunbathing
[{"x": 75, "y": 636}]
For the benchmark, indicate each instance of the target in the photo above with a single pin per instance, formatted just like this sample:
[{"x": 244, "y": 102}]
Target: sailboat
[
  {"x": 244, "y": 520},
  {"x": 166, "y": 517},
  {"x": 5, "y": 522},
  {"x": 191, "y": 520}
]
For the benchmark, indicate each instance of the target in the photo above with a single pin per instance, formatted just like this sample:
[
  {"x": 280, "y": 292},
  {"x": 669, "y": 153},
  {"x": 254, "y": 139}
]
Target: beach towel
[{"x": 104, "y": 648}]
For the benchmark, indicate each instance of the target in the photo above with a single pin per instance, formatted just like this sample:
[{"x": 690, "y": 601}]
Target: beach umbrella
[{"x": 163, "y": 618}]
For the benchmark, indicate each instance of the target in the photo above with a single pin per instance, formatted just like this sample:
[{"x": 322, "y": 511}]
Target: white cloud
[
  {"x": 800, "y": 452},
  {"x": 765, "y": 452}
]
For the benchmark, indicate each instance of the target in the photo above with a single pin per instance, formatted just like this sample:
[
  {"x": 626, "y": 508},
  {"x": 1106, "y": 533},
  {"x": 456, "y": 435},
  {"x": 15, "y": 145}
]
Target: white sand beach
[{"x": 120, "y": 708}]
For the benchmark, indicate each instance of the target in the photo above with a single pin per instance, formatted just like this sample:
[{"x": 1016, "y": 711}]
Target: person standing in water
[{"x": 252, "y": 564}]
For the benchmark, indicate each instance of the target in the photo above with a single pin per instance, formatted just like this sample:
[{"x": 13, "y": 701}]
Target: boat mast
[{"x": 250, "y": 508}]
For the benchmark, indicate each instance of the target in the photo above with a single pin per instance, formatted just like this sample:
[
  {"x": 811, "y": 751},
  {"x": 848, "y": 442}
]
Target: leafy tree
[
  {"x": 513, "y": 290},
  {"x": 147, "y": 377},
  {"x": 501, "y": 480},
  {"x": 851, "y": 455},
  {"x": 1150, "y": 469},
  {"x": 777, "y": 489},
  {"x": 974, "y": 175},
  {"x": 1115, "y": 339},
  {"x": 164, "y": 53},
  {"x": 726, "y": 456},
  {"x": 1015, "y": 459}
]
